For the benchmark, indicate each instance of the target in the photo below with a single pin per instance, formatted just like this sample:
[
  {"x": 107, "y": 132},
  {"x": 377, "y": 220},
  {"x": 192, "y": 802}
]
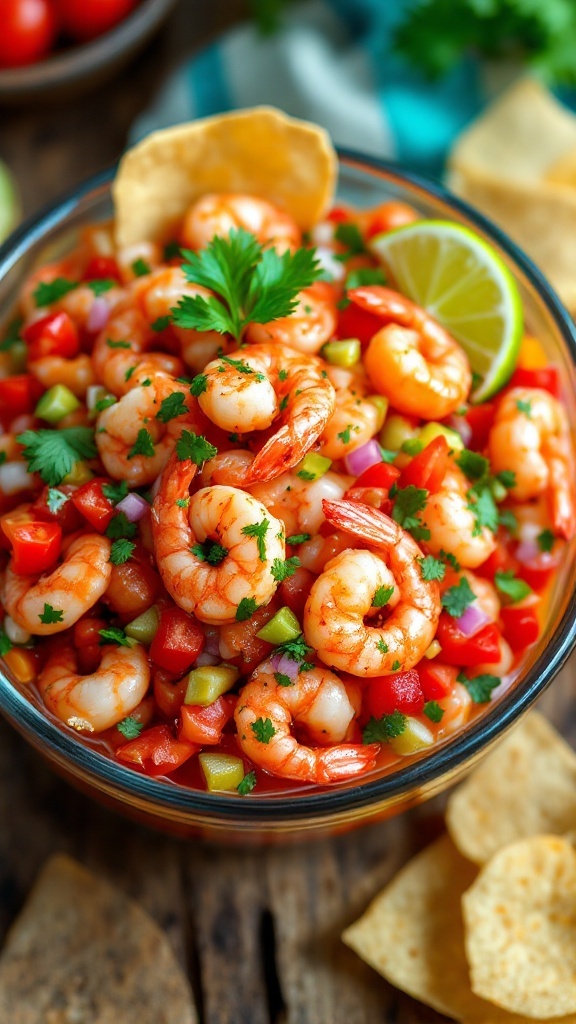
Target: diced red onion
[
  {"x": 528, "y": 550},
  {"x": 327, "y": 260},
  {"x": 134, "y": 507},
  {"x": 322, "y": 233},
  {"x": 472, "y": 620},
  {"x": 21, "y": 423},
  {"x": 461, "y": 426},
  {"x": 14, "y": 477},
  {"x": 98, "y": 316},
  {"x": 362, "y": 458},
  {"x": 212, "y": 642},
  {"x": 285, "y": 666},
  {"x": 207, "y": 659}
]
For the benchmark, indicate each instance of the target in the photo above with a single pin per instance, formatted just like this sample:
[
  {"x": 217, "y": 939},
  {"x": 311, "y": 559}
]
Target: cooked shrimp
[
  {"x": 457, "y": 706},
  {"x": 486, "y": 594},
  {"x": 312, "y": 323},
  {"x": 354, "y": 421},
  {"x": 121, "y": 355},
  {"x": 249, "y": 391},
  {"x": 317, "y": 701},
  {"x": 77, "y": 373},
  {"x": 341, "y": 618},
  {"x": 97, "y": 701},
  {"x": 298, "y": 502},
  {"x": 245, "y": 542},
  {"x": 413, "y": 361},
  {"x": 218, "y": 214},
  {"x": 228, "y": 467},
  {"x": 118, "y": 430},
  {"x": 530, "y": 436},
  {"x": 449, "y": 516},
  {"x": 71, "y": 589},
  {"x": 139, "y": 252}
]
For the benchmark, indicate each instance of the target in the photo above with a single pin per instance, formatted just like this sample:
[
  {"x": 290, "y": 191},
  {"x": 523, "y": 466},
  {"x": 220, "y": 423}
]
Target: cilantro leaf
[
  {"x": 472, "y": 464},
  {"x": 119, "y": 528},
  {"x": 263, "y": 730},
  {"x": 47, "y": 293},
  {"x": 509, "y": 585},
  {"x": 121, "y": 551},
  {"x": 130, "y": 727},
  {"x": 364, "y": 276},
  {"x": 433, "y": 711},
  {"x": 101, "y": 285},
  {"x": 140, "y": 267},
  {"x": 160, "y": 324},
  {"x": 480, "y": 687},
  {"x": 54, "y": 453},
  {"x": 484, "y": 509},
  {"x": 194, "y": 447},
  {"x": 283, "y": 570},
  {"x": 171, "y": 407},
  {"x": 507, "y": 519},
  {"x": 298, "y": 538},
  {"x": 258, "y": 531},
  {"x": 210, "y": 552},
  {"x": 388, "y": 454},
  {"x": 114, "y": 635},
  {"x": 382, "y": 646},
  {"x": 432, "y": 568},
  {"x": 199, "y": 384},
  {"x": 246, "y": 609},
  {"x": 115, "y": 491},
  {"x": 457, "y": 598},
  {"x": 50, "y": 615},
  {"x": 450, "y": 559},
  {"x": 525, "y": 407},
  {"x": 296, "y": 649},
  {"x": 283, "y": 680},
  {"x": 408, "y": 502},
  {"x": 276, "y": 282},
  {"x": 143, "y": 445},
  {"x": 388, "y": 727},
  {"x": 105, "y": 403},
  {"x": 381, "y": 596},
  {"x": 545, "y": 540},
  {"x": 507, "y": 478},
  {"x": 349, "y": 234},
  {"x": 55, "y": 500},
  {"x": 5, "y": 643},
  {"x": 247, "y": 784},
  {"x": 121, "y": 343}
]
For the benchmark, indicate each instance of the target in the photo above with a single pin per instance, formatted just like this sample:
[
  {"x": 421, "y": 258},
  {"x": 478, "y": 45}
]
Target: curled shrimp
[
  {"x": 530, "y": 436},
  {"x": 245, "y": 542},
  {"x": 312, "y": 323},
  {"x": 352, "y": 588},
  {"x": 249, "y": 391},
  {"x": 298, "y": 502},
  {"x": 71, "y": 589},
  {"x": 121, "y": 355},
  {"x": 354, "y": 422},
  {"x": 77, "y": 374},
  {"x": 453, "y": 526},
  {"x": 118, "y": 428},
  {"x": 97, "y": 701},
  {"x": 316, "y": 700},
  {"x": 413, "y": 360},
  {"x": 218, "y": 214}
]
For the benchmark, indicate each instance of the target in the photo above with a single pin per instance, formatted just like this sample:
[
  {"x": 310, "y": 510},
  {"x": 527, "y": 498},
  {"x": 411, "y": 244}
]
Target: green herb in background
[
  {"x": 267, "y": 14},
  {"x": 435, "y": 34}
]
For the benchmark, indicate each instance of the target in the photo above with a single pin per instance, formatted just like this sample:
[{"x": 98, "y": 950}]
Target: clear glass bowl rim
[{"x": 415, "y": 775}]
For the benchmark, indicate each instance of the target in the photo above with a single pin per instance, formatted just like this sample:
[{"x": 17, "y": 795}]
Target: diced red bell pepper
[
  {"x": 178, "y": 641},
  {"x": 547, "y": 378},
  {"x": 91, "y": 501},
  {"x": 52, "y": 335},
  {"x": 169, "y": 692},
  {"x": 538, "y": 571},
  {"x": 436, "y": 679},
  {"x": 18, "y": 396},
  {"x": 458, "y": 649},
  {"x": 156, "y": 751},
  {"x": 35, "y": 545},
  {"x": 429, "y": 467},
  {"x": 354, "y": 322},
  {"x": 520, "y": 625},
  {"x": 400, "y": 692},
  {"x": 381, "y": 475},
  {"x": 204, "y": 725},
  {"x": 501, "y": 560},
  {"x": 101, "y": 268},
  {"x": 339, "y": 215},
  {"x": 479, "y": 418},
  {"x": 66, "y": 515},
  {"x": 388, "y": 216}
]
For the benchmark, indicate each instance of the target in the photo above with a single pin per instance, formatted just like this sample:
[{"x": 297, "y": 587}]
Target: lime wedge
[
  {"x": 466, "y": 286},
  {"x": 9, "y": 203}
]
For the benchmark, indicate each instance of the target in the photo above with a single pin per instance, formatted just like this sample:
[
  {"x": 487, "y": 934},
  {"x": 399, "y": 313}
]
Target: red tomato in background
[
  {"x": 86, "y": 19},
  {"x": 28, "y": 29}
]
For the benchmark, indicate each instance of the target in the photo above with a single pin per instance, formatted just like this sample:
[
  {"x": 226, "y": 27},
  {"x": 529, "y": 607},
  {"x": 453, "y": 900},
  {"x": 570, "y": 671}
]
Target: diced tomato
[
  {"x": 436, "y": 679},
  {"x": 339, "y": 215},
  {"x": 520, "y": 625},
  {"x": 52, "y": 335},
  {"x": 178, "y": 641},
  {"x": 242, "y": 638},
  {"x": 17, "y": 515},
  {"x": 400, "y": 692},
  {"x": 381, "y": 475},
  {"x": 388, "y": 216},
  {"x": 500, "y": 560},
  {"x": 156, "y": 751},
  {"x": 354, "y": 322},
  {"x": 546, "y": 377},
  {"x": 479, "y": 418},
  {"x": 458, "y": 649},
  {"x": 429, "y": 467},
  {"x": 205, "y": 724},
  {"x": 87, "y": 631},
  {"x": 18, "y": 396},
  {"x": 294, "y": 590},
  {"x": 169, "y": 692},
  {"x": 134, "y": 586},
  {"x": 28, "y": 30},
  {"x": 35, "y": 545},
  {"x": 91, "y": 501},
  {"x": 538, "y": 570},
  {"x": 66, "y": 515},
  {"x": 101, "y": 268}
]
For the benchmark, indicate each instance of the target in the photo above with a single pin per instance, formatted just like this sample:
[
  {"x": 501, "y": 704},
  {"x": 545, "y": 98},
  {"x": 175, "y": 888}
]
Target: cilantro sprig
[
  {"x": 249, "y": 284},
  {"x": 54, "y": 453},
  {"x": 388, "y": 727}
]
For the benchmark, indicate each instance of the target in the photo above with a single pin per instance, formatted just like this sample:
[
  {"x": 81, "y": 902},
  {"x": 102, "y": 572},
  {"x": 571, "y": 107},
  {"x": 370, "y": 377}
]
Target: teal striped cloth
[{"x": 331, "y": 62}]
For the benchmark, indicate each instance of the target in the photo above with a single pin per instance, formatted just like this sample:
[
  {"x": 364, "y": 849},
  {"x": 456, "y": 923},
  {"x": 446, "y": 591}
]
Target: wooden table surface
[{"x": 257, "y": 931}]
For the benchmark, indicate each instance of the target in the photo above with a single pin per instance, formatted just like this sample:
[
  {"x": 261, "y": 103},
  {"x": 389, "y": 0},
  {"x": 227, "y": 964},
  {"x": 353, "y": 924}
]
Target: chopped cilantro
[
  {"x": 144, "y": 445},
  {"x": 258, "y": 531},
  {"x": 525, "y": 407},
  {"x": 140, "y": 267},
  {"x": 5, "y": 643},
  {"x": 115, "y": 491},
  {"x": 199, "y": 384},
  {"x": 171, "y": 407},
  {"x": 248, "y": 784},
  {"x": 282, "y": 375},
  {"x": 507, "y": 519},
  {"x": 381, "y": 596},
  {"x": 101, "y": 285},
  {"x": 507, "y": 478},
  {"x": 160, "y": 324},
  {"x": 408, "y": 502},
  {"x": 509, "y": 585},
  {"x": 195, "y": 447},
  {"x": 484, "y": 509},
  {"x": 296, "y": 649},
  {"x": 387, "y": 454},
  {"x": 382, "y": 647},
  {"x": 182, "y": 502},
  {"x": 210, "y": 552},
  {"x": 55, "y": 500},
  {"x": 50, "y": 615},
  {"x": 457, "y": 598},
  {"x": 283, "y": 570},
  {"x": 545, "y": 540},
  {"x": 472, "y": 464},
  {"x": 121, "y": 551},
  {"x": 298, "y": 538},
  {"x": 283, "y": 680},
  {"x": 246, "y": 609},
  {"x": 171, "y": 251},
  {"x": 114, "y": 635},
  {"x": 364, "y": 276},
  {"x": 344, "y": 435},
  {"x": 12, "y": 334},
  {"x": 130, "y": 727},
  {"x": 263, "y": 730},
  {"x": 54, "y": 453},
  {"x": 388, "y": 727},
  {"x": 129, "y": 372},
  {"x": 432, "y": 568},
  {"x": 119, "y": 528},
  {"x": 48, "y": 292},
  {"x": 349, "y": 234},
  {"x": 450, "y": 559},
  {"x": 305, "y": 474},
  {"x": 480, "y": 687},
  {"x": 117, "y": 344},
  {"x": 433, "y": 711},
  {"x": 396, "y": 665},
  {"x": 105, "y": 403}
]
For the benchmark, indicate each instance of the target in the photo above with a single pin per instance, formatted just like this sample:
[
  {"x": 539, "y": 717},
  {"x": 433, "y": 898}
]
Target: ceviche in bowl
[{"x": 286, "y": 483}]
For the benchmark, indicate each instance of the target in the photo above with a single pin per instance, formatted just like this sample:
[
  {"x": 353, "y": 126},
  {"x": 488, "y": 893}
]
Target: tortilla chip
[
  {"x": 83, "y": 951},
  {"x": 520, "y": 922},
  {"x": 563, "y": 170},
  {"x": 413, "y": 934},
  {"x": 526, "y": 786},
  {"x": 261, "y": 151}
]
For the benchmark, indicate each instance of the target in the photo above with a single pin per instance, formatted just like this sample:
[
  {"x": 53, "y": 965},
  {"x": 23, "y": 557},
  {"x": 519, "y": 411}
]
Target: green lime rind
[
  {"x": 9, "y": 202},
  {"x": 464, "y": 284}
]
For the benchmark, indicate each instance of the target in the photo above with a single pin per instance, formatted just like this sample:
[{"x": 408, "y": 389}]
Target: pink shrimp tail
[
  {"x": 346, "y": 761},
  {"x": 278, "y": 455},
  {"x": 384, "y": 303},
  {"x": 363, "y": 521}
]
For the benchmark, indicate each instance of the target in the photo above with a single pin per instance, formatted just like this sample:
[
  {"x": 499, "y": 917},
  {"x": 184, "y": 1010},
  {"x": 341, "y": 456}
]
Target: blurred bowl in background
[{"x": 84, "y": 66}]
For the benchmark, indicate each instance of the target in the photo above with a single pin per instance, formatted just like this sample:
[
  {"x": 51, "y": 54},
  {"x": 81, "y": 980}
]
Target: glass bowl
[{"x": 363, "y": 182}]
